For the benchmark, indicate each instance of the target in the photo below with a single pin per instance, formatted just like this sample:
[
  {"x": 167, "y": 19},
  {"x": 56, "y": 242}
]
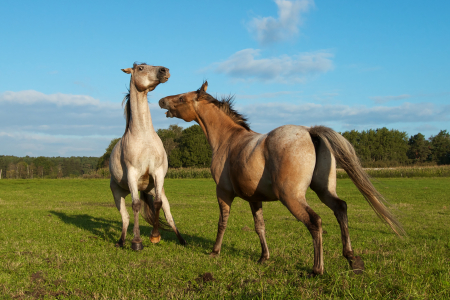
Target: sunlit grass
[{"x": 57, "y": 241}]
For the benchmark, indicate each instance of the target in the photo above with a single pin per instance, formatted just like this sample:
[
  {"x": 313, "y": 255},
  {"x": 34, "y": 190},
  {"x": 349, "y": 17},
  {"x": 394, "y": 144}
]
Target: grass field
[{"x": 57, "y": 241}]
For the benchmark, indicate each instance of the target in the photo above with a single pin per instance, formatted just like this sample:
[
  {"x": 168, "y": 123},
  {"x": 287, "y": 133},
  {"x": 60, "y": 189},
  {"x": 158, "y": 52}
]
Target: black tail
[{"x": 148, "y": 212}]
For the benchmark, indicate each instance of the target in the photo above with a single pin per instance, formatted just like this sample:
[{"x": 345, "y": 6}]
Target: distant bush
[
  {"x": 189, "y": 173},
  {"x": 171, "y": 173},
  {"x": 434, "y": 171}
]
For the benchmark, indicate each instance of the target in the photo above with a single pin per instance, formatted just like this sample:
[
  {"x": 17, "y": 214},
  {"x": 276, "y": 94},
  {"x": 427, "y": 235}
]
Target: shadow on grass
[
  {"x": 101, "y": 228},
  {"x": 97, "y": 226}
]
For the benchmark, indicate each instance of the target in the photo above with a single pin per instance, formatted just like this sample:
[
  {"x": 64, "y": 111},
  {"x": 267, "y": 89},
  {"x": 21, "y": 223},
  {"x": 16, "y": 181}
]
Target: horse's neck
[
  {"x": 217, "y": 126},
  {"x": 140, "y": 118}
]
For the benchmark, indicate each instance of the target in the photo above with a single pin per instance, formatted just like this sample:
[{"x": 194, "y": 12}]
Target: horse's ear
[
  {"x": 128, "y": 70},
  {"x": 204, "y": 87}
]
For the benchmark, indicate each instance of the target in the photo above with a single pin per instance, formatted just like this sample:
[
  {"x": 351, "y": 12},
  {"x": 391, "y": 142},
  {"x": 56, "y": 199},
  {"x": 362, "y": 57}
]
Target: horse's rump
[{"x": 345, "y": 155}]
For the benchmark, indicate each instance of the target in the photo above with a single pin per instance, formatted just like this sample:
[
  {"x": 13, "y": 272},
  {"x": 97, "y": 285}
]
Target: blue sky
[{"x": 344, "y": 64}]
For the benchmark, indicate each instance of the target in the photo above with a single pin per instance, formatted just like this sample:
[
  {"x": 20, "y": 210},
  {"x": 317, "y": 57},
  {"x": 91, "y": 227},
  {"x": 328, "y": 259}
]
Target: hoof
[
  {"x": 262, "y": 260},
  {"x": 137, "y": 246},
  {"x": 119, "y": 244},
  {"x": 182, "y": 241},
  {"x": 213, "y": 254},
  {"x": 314, "y": 274},
  {"x": 155, "y": 239},
  {"x": 357, "y": 265}
]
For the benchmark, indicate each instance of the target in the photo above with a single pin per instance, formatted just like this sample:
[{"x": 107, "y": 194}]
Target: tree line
[
  {"x": 189, "y": 148},
  {"x": 390, "y": 148},
  {"x": 184, "y": 147},
  {"x": 45, "y": 167},
  {"x": 375, "y": 147}
]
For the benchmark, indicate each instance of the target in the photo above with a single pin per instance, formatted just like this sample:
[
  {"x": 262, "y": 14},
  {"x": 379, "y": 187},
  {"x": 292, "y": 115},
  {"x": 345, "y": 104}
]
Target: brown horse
[{"x": 279, "y": 165}]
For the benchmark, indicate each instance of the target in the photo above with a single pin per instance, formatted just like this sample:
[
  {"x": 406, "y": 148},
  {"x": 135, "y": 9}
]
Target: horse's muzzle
[
  {"x": 163, "y": 104},
  {"x": 163, "y": 74}
]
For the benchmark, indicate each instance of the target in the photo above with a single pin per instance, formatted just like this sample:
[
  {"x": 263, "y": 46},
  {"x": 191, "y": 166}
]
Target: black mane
[{"x": 127, "y": 109}]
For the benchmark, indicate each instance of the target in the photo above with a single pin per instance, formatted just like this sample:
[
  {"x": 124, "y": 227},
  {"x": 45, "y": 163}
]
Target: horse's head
[
  {"x": 184, "y": 106},
  {"x": 146, "y": 77}
]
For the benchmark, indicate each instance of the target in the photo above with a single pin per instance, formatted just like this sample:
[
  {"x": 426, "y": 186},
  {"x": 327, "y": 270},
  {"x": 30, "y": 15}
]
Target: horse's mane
[
  {"x": 127, "y": 109},
  {"x": 226, "y": 105}
]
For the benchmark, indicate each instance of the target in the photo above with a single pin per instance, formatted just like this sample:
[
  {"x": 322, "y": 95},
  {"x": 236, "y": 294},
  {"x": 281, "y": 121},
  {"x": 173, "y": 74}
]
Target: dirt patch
[
  {"x": 37, "y": 277},
  {"x": 207, "y": 277},
  {"x": 199, "y": 283}
]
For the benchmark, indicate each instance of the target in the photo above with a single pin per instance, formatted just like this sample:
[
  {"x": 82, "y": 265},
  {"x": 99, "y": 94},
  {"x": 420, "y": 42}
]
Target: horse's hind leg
[
  {"x": 339, "y": 207},
  {"x": 300, "y": 209},
  {"x": 260, "y": 229},
  {"x": 324, "y": 184},
  {"x": 119, "y": 199}
]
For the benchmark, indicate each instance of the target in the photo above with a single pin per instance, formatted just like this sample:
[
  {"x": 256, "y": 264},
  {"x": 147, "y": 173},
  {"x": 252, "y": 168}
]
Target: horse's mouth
[
  {"x": 164, "y": 79},
  {"x": 169, "y": 114},
  {"x": 163, "y": 104}
]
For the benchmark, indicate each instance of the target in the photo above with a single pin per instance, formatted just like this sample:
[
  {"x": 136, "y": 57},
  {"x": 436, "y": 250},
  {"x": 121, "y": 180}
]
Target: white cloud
[
  {"x": 284, "y": 69},
  {"x": 268, "y": 30},
  {"x": 267, "y": 116},
  {"x": 34, "y": 97},
  {"x": 21, "y": 143},
  {"x": 33, "y": 123},
  {"x": 384, "y": 99}
]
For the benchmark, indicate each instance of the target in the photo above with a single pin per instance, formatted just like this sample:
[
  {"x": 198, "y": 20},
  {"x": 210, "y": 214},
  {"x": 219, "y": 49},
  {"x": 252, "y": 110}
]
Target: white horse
[{"x": 138, "y": 162}]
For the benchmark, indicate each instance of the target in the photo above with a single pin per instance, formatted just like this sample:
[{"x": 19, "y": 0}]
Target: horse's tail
[
  {"x": 346, "y": 156},
  {"x": 148, "y": 212}
]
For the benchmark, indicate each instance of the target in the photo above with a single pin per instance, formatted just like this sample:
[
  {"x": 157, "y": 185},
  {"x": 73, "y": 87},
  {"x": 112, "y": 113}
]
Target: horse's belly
[
  {"x": 254, "y": 188},
  {"x": 145, "y": 183}
]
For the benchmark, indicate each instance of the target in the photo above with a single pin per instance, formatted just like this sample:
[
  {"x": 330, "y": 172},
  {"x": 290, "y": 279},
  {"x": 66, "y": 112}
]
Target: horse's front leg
[
  {"x": 260, "y": 229},
  {"x": 225, "y": 199},
  {"x": 155, "y": 236},
  {"x": 119, "y": 195},
  {"x": 136, "y": 243}
]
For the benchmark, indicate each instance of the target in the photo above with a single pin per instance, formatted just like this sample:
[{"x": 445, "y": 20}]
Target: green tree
[
  {"x": 44, "y": 165},
  {"x": 193, "y": 149},
  {"x": 104, "y": 159},
  {"x": 419, "y": 148},
  {"x": 169, "y": 138},
  {"x": 380, "y": 146},
  {"x": 440, "y": 148}
]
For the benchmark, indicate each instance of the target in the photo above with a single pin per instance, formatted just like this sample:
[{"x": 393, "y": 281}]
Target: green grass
[{"x": 57, "y": 241}]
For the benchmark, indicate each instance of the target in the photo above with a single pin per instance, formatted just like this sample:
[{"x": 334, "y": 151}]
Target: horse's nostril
[{"x": 163, "y": 70}]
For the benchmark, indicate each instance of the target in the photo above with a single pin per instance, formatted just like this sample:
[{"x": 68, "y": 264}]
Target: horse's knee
[{"x": 136, "y": 206}]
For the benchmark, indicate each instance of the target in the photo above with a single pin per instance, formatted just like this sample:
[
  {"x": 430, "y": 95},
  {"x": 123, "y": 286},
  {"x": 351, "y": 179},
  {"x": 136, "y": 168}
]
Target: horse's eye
[
  {"x": 181, "y": 99},
  {"x": 141, "y": 68}
]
